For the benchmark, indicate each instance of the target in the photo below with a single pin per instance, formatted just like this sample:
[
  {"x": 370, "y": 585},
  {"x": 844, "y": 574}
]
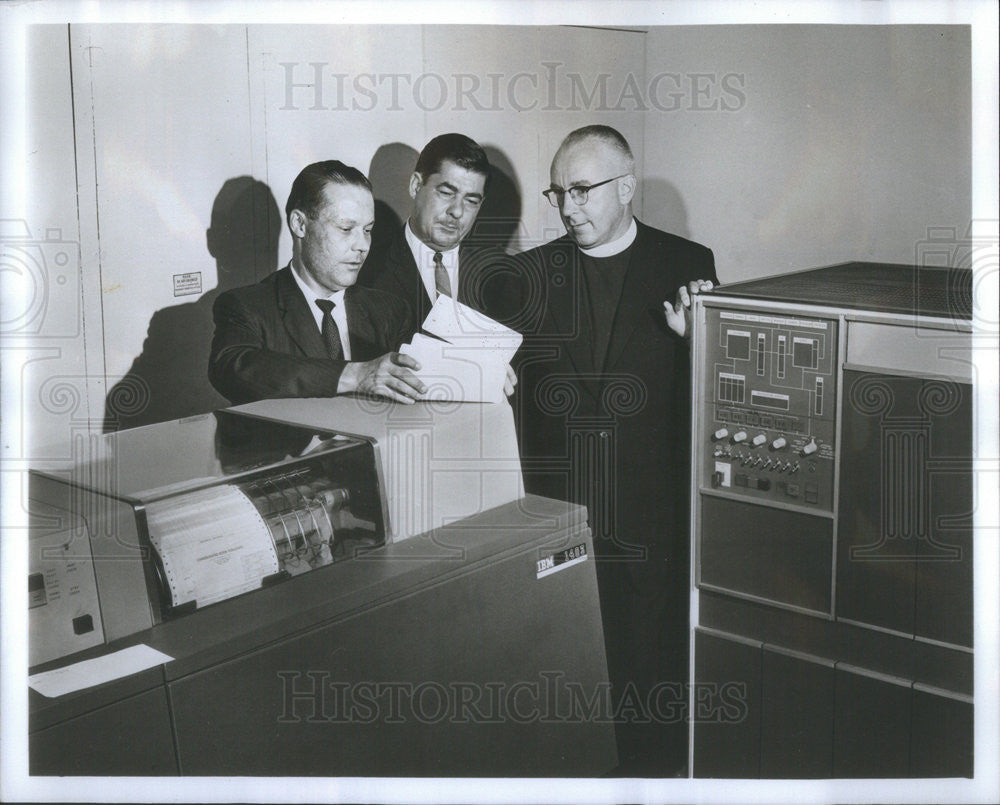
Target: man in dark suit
[
  {"x": 307, "y": 330},
  {"x": 428, "y": 257},
  {"x": 603, "y": 412}
]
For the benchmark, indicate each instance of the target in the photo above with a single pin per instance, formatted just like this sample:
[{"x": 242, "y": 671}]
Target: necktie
[
  {"x": 331, "y": 332},
  {"x": 441, "y": 281}
]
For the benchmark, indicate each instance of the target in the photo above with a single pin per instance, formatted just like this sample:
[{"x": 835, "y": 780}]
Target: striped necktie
[
  {"x": 442, "y": 283},
  {"x": 331, "y": 332}
]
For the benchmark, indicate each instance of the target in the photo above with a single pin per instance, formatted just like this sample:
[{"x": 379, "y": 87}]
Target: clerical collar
[{"x": 617, "y": 246}]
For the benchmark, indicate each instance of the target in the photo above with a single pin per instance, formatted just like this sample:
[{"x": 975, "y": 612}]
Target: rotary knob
[
  {"x": 779, "y": 443},
  {"x": 759, "y": 439},
  {"x": 720, "y": 434},
  {"x": 810, "y": 448},
  {"x": 739, "y": 436}
]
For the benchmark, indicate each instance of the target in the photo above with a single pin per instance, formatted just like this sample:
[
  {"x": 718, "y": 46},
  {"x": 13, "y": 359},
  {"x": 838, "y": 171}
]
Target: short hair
[
  {"x": 463, "y": 151},
  {"x": 307, "y": 189},
  {"x": 604, "y": 134}
]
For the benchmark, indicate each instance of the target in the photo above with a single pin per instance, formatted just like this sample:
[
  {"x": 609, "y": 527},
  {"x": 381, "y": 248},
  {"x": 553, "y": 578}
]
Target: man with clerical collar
[
  {"x": 603, "y": 411},
  {"x": 308, "y": 330}
]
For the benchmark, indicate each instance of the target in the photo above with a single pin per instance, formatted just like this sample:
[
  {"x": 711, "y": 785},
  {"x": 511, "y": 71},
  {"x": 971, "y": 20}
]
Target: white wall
[
  {"x": 851, "y": 143},
  {"x": 779, "y": 147}
]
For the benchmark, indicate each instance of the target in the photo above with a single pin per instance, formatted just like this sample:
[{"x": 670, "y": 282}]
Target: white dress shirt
[
  {"x": 339, "y": 311},
  {"x": 424, "y": 257}
]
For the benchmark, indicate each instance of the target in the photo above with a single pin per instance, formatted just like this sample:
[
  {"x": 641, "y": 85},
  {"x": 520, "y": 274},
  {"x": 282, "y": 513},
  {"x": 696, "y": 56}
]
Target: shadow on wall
[
  {"x": 389, "y": 173},
  {"x": 663, "y": 207},
  {"x": 169, "y": 378},
  {"x": 499, "y": 221}
]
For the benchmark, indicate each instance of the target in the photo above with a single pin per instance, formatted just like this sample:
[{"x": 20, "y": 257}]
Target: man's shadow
[
  {"x": 169, "y": 378},
  {"x": 499, "y": 221},
  {"x": 389, "y": 172}
]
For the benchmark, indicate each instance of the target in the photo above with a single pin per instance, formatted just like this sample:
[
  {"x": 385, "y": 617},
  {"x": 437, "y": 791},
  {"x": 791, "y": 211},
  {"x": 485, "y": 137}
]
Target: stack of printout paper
[{"x": 467, "y": 362}]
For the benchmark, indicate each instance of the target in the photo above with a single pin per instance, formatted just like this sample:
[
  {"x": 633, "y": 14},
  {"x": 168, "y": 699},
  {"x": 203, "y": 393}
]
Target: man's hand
[
  {"x": 679, "y": 314},
  {"x": 388, "y": 376},
  {"x": 510, "y": 382}
]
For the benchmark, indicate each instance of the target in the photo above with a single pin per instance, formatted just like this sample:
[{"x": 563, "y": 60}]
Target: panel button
[
  {"x": 36, "y": 590},
  {"x": 83, "y": 624}
]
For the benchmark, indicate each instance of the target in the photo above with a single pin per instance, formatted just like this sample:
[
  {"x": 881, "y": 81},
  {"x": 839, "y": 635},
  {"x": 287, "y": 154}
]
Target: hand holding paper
[{"x": 472, "y": 363}]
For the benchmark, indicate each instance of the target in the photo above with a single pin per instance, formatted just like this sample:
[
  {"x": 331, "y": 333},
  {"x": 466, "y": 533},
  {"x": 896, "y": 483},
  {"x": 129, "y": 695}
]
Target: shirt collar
[
  {"x": 424, "y": 254},
  {"x": 617, "y": 246},
  {"x": 337, "y": 297}
]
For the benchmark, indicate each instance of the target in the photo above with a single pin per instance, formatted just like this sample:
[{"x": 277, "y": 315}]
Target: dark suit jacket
[
  {"x": 267, "y": 344},
  {"x": 614, "y": 437},
  {"x": 484, "y": 274}
]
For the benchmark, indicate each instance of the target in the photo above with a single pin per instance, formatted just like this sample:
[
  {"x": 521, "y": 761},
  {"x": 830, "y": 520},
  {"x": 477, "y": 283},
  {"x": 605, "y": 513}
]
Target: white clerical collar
[
  {"x": 424, "y": 254},
  {"x": 617, "y": 246}
]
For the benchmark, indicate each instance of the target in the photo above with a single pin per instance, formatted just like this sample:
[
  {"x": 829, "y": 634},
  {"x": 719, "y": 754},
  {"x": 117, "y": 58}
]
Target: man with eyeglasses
[{"x": 603, "y": 411}]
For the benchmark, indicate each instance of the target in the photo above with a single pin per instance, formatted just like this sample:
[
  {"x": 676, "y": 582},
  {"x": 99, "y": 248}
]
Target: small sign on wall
[{"x": 187, "y": 284}]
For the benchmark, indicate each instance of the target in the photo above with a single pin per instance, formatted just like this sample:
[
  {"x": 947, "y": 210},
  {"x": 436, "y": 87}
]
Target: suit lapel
[
  {"x": 296, "y": 316},
  {"x": 568, "y": 309},
  {"x": 407, "y": 275},
  {"x": 636, "y": 298},
  {"x": 467, "y": 266}
]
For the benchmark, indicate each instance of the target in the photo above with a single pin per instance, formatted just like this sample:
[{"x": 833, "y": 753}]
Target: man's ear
[
  {"x": 626, "y": 188},
  {"x": 297, "y": 223},
  {"x": 416, "y": 182}
]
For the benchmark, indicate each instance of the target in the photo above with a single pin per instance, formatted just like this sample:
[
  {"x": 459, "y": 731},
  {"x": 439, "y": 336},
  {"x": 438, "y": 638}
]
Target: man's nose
[
  {"x": 455, "y": 208},
  {"x": 567, "y": 205}
]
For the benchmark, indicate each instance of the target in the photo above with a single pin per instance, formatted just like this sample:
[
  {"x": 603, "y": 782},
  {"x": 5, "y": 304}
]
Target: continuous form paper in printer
[{"x": 470, "y": 365}]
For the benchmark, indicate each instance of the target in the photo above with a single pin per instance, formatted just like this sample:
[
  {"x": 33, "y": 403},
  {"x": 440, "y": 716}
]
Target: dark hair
[
  {"x": 307, "y": 189},
  {"x": 463, "y": 151},
  {"x": 605, "y": 134}
]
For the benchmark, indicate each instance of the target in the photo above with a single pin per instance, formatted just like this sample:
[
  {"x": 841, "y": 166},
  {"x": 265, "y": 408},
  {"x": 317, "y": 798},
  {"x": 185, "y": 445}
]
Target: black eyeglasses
[{"x": 578, "y": 192}]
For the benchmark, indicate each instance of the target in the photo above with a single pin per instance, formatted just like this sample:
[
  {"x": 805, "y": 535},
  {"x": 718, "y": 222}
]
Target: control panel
[
  {"x": 769, "y": 391},
  {"x": 64, "y": 612}
]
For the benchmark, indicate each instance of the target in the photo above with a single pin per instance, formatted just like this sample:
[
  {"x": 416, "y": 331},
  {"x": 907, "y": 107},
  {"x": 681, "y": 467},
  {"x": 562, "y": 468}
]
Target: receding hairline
[{"x": 609, "y": 142}]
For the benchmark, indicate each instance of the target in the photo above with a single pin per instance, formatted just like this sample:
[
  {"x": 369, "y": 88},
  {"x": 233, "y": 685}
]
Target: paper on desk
[
  {"x": 457, "y": 372},
  {"x": 461, "y": 325},
  {"x": 88, "y": 673}
]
